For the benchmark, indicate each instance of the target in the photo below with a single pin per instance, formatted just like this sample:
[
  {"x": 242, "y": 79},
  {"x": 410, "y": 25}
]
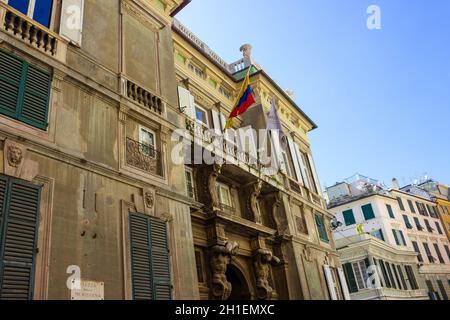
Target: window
[
  {"x": 198, "y": 71},
  {"x": 428, "y": 252},
  {"x": 378, "y": 234},
  {"x": 400, "y": 203},
  {"x": 201, "y": 116},
  {"x": 433, "y": 294},
  {"x": 411, "y": 206},
  {"x": 190, "y": 189},
  {"x": 38, "y": 10},
  {"x": 288, "y": 164},
  {"x": 442, "y": 289},
  {"x": 397, "y": 278},
  {"x": 24, "y": 91},
  {"x": 349, "y": 217},
  {"x": 350, "y": 277},
  {"x": 391, "y": 276},
  {"x": 427, "y": 224},
  {"x": 447, "y": 250},
  {"x": 438, "y": 227},
  {"x": 390, "y": 211},
  {"x": 323, "y": 235},
  {"x": 224, "y": 195},
  {"x": 411, "y": 278},
  {"x": 225, "y": 93},
  {"x": 406, "y": 220},
  {"x": 385, "y": 274},
  {"x": 361, "y": 275},
  {"x": 399, "y": 237},
  {"x": 199, "y": 265},
  {"x": 418, "y": 225},
  {"x": 19, "y": 222},
  {"x": 432, "y": 211},
  {"x": 150, "y": 268},
  {"x": 368, "y": 212},
  {"x": 422, "y": 210},
  {"x": 147, "y": 141},
  {"x": 402, "y": 277},
  {"x": 438, "y": 252},
  {"x": 417, "y": 250}
]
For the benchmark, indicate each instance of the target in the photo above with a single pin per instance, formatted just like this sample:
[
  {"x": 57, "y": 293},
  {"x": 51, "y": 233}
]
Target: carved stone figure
[
  {"x": 207, "y": 186},
  {"x": 149, "y": 200},
  {"x": 253, "y": 201},
  {"x": 263, "y": 261},
  {"x": 14, "y": 156},
  {"x": 220, "y": 259},
  {"x": 277, "y": 214},
  {"x": 246, "y": 50}
]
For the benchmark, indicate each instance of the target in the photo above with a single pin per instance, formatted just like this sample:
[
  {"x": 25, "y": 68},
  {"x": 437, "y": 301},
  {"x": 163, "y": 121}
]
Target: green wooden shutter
[
  {"x": 349, "y": 217},
  {"x": 149, "y": 258},
  {"x": 350, "y": 277},
  {"x": 140, "y": 257},
  {"x": 20, "y": 220},
  {"x": 397, "y": 240},
  {"x": 36, "y": 98},
  {"x": 24, "y": 91},
  {"x": 10, "y": 83},
  {"x": 368, "y": 212},
  {"x": 160, "y": 260}
]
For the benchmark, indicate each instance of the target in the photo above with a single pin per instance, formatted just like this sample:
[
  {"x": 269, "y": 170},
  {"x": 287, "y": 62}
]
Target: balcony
[
  {"x": 143, "y": 97},
  {"x": 31, "y": 32},
  {"x": 143, "y": 157}
]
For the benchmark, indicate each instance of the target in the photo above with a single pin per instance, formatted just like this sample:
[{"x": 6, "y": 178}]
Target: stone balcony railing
[
  {"x": 143, "y": 97},
  {"x": 143, "y": 157},
  {"x": 32, "y": 33}
]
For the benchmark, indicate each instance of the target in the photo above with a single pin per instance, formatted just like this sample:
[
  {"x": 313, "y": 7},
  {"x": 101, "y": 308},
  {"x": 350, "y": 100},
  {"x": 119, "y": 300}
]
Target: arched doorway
[{"x": 240, "y": 289}]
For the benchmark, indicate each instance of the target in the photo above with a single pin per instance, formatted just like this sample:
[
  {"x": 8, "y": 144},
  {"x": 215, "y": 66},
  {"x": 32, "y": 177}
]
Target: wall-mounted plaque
[{"x": 89, "y": 290}]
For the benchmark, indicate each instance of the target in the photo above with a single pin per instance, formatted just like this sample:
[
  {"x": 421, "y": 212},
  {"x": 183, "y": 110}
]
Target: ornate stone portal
[
  {"x": 263, "y": 261},
  {"x": 220, "y": 259}
]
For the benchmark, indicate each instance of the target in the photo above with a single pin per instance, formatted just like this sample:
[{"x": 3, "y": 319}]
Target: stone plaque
[{"x": 89, "y": 290}]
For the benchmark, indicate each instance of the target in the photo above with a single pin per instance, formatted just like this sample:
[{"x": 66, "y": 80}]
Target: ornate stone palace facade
[{"x": 92, "y": 203}]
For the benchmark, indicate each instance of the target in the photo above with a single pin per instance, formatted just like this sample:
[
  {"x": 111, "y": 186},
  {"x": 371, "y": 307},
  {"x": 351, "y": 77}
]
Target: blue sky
[{"x": 381, "y": 98}]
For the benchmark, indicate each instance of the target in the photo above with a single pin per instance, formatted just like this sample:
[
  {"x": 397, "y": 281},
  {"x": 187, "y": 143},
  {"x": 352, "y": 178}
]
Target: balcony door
[{"x": 38, "y": 10}]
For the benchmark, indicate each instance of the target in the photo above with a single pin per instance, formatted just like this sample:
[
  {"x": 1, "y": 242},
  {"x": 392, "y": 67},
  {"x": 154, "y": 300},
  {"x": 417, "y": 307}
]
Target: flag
[
  {"x": 359, "y": 228},
  {"x": 244, "y": 102},
  {"x": 274, "y": 123}
]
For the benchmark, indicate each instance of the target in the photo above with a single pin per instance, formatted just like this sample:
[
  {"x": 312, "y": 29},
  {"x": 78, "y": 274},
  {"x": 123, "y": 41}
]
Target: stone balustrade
[
  {"x": 29, "y": 31},
  {"x": 144, "y": 98}
]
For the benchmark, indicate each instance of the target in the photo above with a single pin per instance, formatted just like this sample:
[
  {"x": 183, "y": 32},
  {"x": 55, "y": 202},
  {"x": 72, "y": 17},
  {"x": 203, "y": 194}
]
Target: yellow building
[
  {"x": 444, "y": 214},
  {"x": 278, "y": 221}
]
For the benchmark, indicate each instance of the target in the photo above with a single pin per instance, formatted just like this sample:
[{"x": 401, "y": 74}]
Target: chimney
[{"x": 395, "y": 184}]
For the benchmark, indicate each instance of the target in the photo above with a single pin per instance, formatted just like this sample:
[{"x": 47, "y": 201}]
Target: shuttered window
[
  {"x": 150, "y": 267},
  {"x": 321, "y": 228},
  {"x": 350, "y": 277},
  {"x": 349, "y": 217},
  {"x": 368, "y": 212},
  {"x": 19, "y": 203},
  {"x": 24, "y": 91},
  {"x": 390, "y": 211}
]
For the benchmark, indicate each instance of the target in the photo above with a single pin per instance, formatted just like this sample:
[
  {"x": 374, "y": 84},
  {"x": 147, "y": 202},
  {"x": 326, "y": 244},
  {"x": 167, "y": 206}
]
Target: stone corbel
[
  {"x": 263, "y": 260},
  {"x": 220, "y": 258},
  {"x": 278, "y": 215},
  {"x": 216, "y": 234}
]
